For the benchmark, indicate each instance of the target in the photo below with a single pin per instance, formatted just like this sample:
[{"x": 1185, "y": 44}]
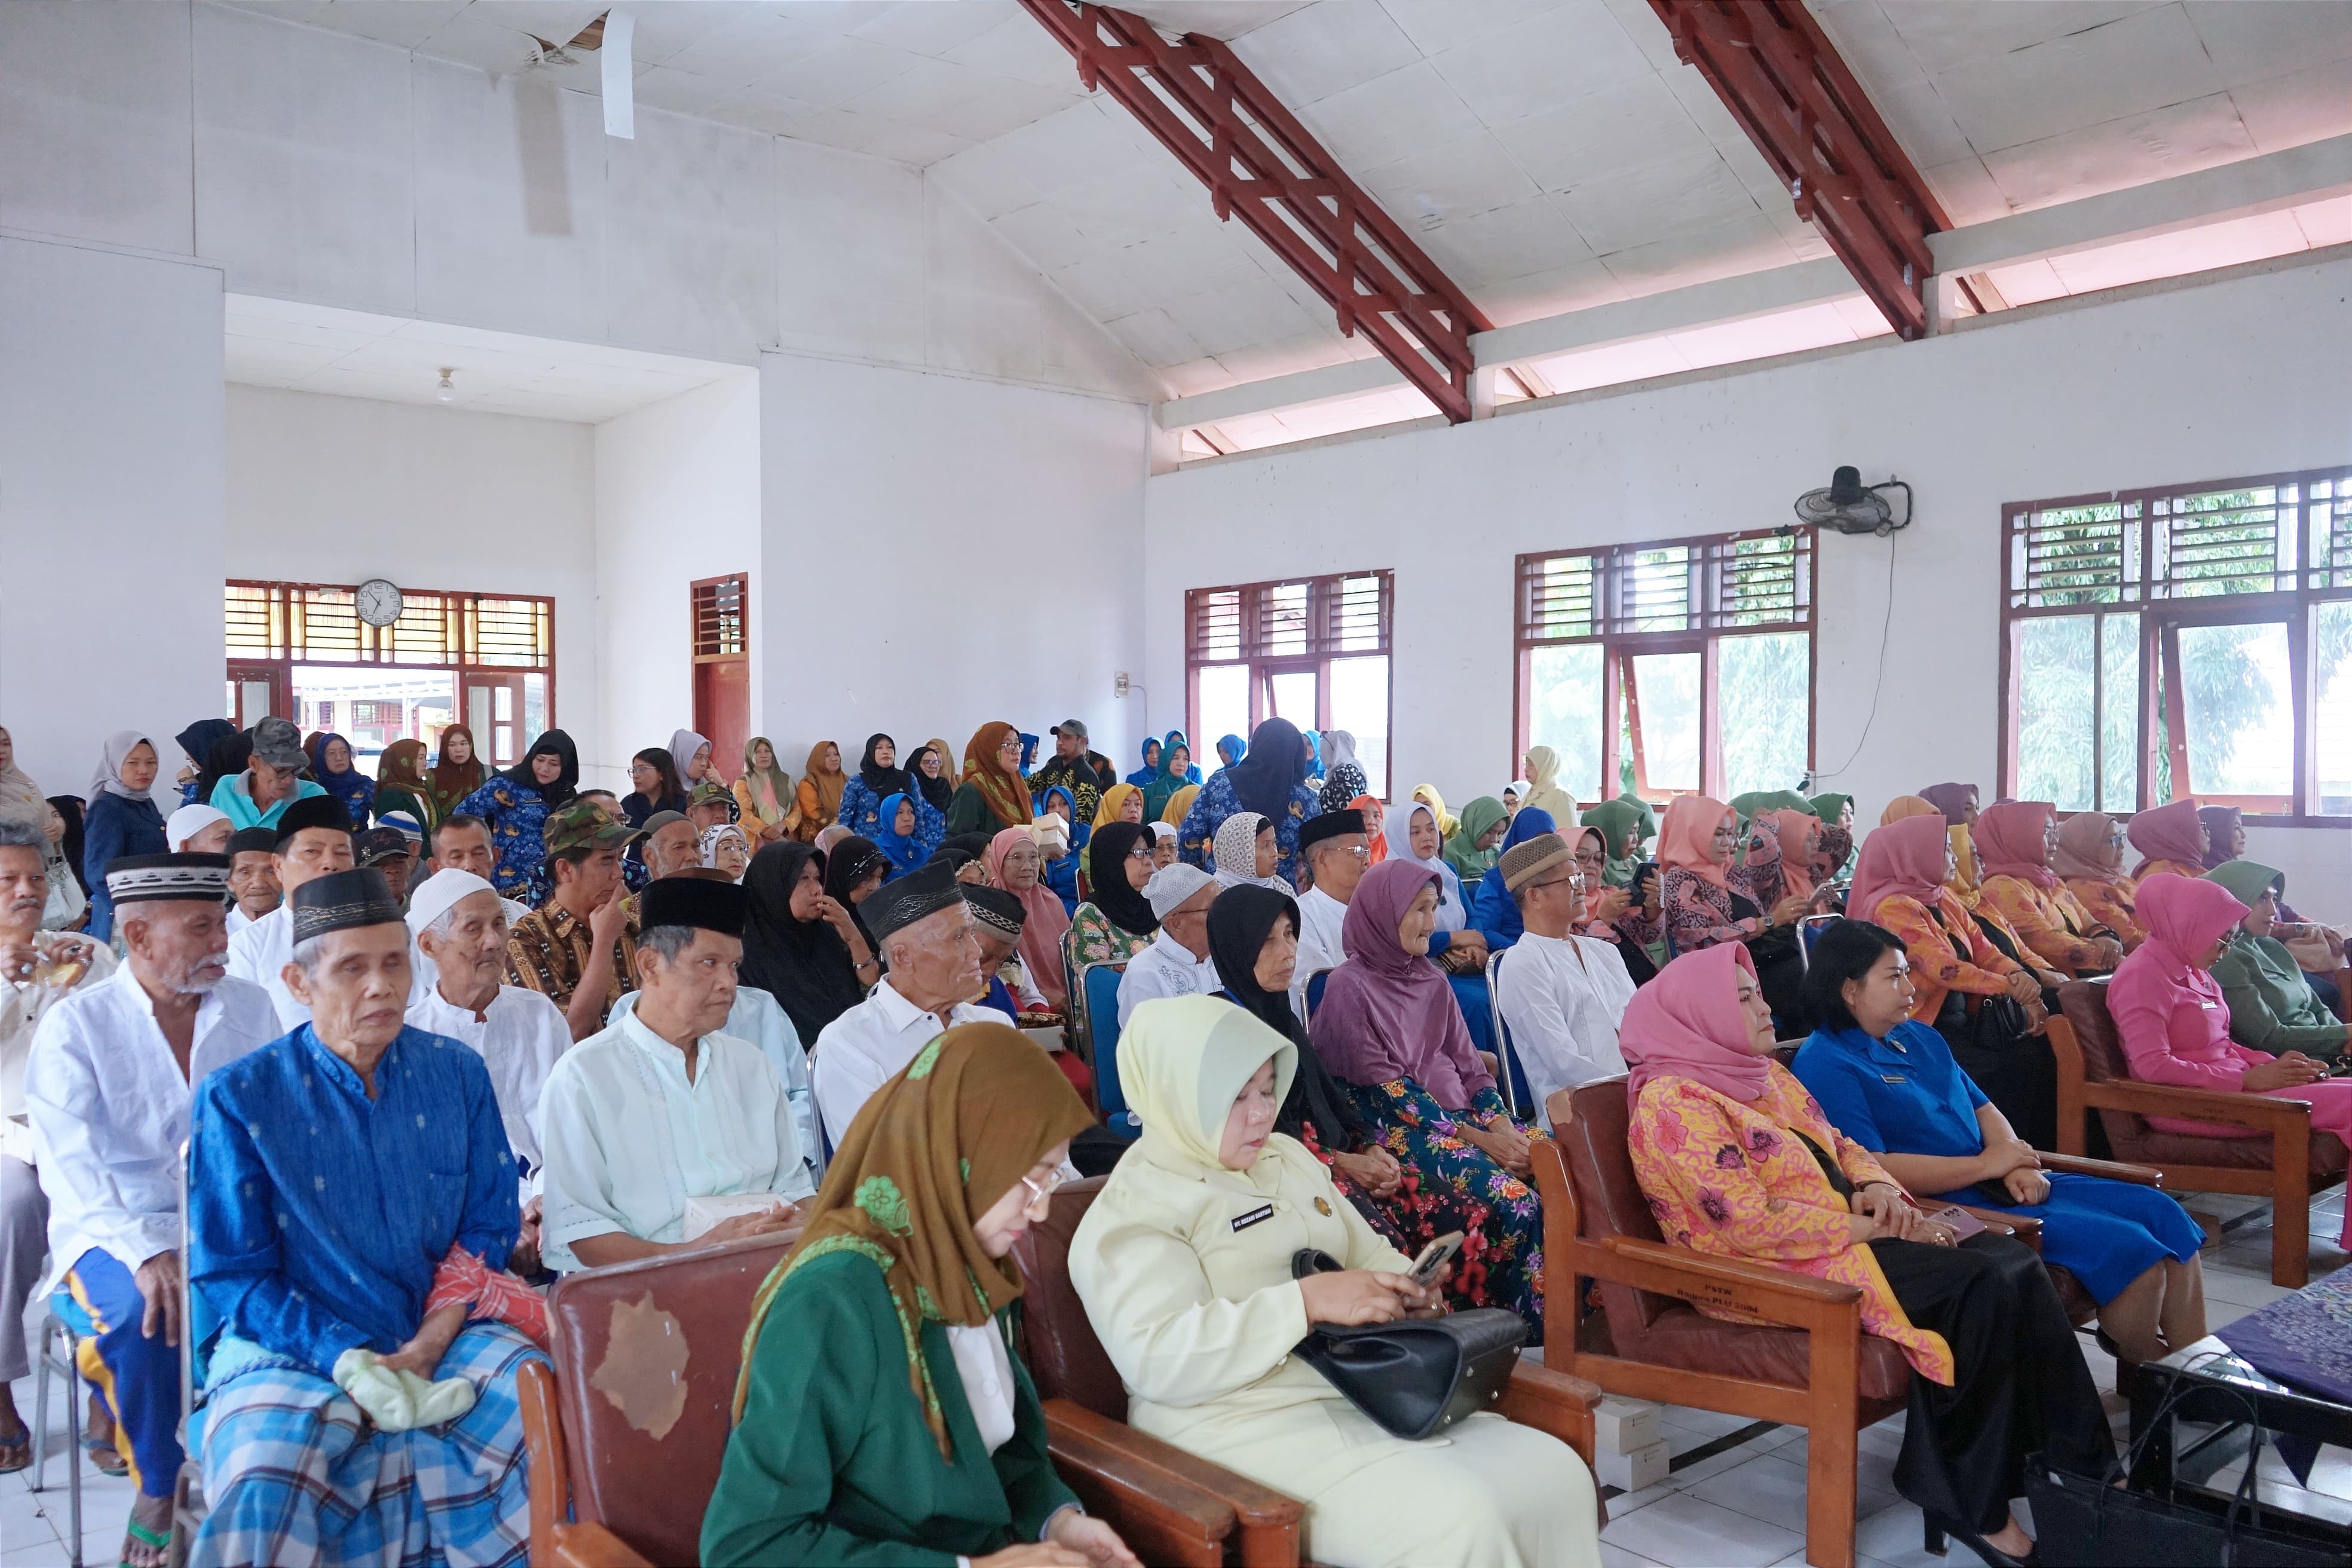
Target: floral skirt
[
  {"x": 1414, "y": 1215},
  {"x": 1501, "y": 1260}
]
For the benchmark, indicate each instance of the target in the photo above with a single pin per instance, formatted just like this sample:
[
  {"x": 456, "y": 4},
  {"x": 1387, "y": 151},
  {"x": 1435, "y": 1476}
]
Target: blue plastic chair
[
  {"x": 1314, "y": 983},
  {"x": 1099, "y": 984},
  {"x": 1518, "y": 1093}
]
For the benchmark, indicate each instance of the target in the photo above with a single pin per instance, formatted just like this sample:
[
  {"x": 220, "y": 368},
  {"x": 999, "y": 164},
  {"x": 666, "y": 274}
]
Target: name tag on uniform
[
  {"x": 1892, "y": 1077},
  {"x": 2210, "y": 1006},
  {"x": 1256, "y": 1217}
]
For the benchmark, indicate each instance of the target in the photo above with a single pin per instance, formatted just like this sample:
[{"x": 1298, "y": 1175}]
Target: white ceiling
[
  {"x": 1550, "y": 155},
  {"x": 351, "y": 353}
]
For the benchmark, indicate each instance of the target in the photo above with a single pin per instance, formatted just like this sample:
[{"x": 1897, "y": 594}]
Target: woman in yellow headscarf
[{"x": 1116, "y": 806}]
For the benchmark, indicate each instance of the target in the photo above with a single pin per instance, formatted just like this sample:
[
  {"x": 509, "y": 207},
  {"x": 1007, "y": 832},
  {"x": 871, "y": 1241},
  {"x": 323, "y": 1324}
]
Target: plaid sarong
[{"x": 296, "y": 1475}]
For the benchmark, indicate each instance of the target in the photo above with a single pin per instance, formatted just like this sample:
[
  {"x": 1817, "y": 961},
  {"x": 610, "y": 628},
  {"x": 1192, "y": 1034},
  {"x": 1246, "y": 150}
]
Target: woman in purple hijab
[
  {"x": 1957, "y": 802},
  {"x": 1390, "y": 1031}
]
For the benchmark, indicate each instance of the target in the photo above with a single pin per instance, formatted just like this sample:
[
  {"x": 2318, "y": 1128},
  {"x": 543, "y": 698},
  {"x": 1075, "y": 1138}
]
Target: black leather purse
[{"x": 1416, "y": 1377}]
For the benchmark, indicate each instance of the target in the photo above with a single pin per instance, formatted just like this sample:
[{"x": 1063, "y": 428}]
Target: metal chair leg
[{"x": 73, "y": 1445}]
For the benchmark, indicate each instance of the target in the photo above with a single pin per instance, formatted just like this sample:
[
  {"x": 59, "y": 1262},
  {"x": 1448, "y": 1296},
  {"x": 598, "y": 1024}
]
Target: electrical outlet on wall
[{"x": 1118, "y": 684}]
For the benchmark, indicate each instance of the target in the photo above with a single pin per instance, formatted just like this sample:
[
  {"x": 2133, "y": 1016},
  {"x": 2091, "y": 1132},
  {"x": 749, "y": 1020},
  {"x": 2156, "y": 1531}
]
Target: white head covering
[
  {"x": 1451, "y": 914},
  {"x": 437, "y": 894},
  {"x": 187, "y": 822},
  {"x": 1161, "y": 830},
  {"x": 1520, "y": 788},
  {"x": 682, "y": 744},
  {"x": 1171, "y": 885},
  {"x": 1338, "y": 746},
  {"x": 108, "y": 779},
  {"x": 711, "y": 839},
  {"x": 1236, "y": 852}
]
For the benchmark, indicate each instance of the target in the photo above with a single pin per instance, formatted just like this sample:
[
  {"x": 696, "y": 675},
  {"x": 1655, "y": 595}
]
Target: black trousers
[{"x": 2019, "y": 1385}]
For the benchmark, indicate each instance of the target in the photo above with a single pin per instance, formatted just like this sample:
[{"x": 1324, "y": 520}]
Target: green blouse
[
  {"x": 2272, "y": 1007},
  {"x": 969, "y": 812},
  {"x": 833, "y": 1464}
]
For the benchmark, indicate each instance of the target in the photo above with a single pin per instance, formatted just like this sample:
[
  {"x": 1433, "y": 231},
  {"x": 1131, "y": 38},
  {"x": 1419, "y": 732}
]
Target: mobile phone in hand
[{"x": 1434, "y": 1256}]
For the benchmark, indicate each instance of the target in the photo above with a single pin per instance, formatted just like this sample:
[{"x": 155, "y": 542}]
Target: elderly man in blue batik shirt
[{"x": 333, "y": 1173}]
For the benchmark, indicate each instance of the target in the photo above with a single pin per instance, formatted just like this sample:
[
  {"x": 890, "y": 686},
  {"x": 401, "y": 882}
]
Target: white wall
[
  {"x": 677, "y": 498},
  {"x": 941, "y": 552},
  {"x": 341, "y": 490},
  {"x": 2171, "y": 383},
  {"x": 109, "y": 502}
]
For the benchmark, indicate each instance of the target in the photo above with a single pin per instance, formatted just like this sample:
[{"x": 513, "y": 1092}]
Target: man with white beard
[{"x": 108, "y": 1089}]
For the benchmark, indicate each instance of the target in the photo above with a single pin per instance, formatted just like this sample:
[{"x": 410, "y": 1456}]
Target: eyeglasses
[
  {"x": 1041, "y": 1190},
  {"x": 1142, "y": 851}
]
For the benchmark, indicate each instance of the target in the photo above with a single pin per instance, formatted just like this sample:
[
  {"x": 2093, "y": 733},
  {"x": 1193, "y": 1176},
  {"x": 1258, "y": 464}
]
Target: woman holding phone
[{"x": 1184, "y": 1264}]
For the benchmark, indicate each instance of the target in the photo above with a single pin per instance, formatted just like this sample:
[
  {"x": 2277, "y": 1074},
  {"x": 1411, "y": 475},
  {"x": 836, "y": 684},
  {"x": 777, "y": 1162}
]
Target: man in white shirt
[
  {"x": 1560, "y": 995},
  {"x": 1337, "y": 854},
  {"x": 926, "y": 932},
  {"x": 314, "y": 839},
  {"x": 649, "y": 1120},
  {"x": 459, "y": 924},
  {"x": 252, "y": 877},
  {"x": 38, "y": 969},
  {"x": 108, "y": 1089},
  {"x": 1177, "y": 962}
]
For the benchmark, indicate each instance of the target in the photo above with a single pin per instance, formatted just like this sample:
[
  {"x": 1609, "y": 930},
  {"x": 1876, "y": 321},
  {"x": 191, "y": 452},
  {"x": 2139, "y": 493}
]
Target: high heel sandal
[{"x": 1991, "y": 1554}]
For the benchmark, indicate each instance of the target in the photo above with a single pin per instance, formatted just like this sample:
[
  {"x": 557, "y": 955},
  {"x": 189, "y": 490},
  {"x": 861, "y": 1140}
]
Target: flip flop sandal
[
  {"x": 120, "y": 1466},
  {"x": 134, "y": 1530},
  {"x": 16, "y": 1452}
]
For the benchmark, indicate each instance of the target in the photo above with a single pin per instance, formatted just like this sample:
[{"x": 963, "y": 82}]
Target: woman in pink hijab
[
  {"x": 1390, "y": 1030},
  {"x": 2175, "y": 1022},
  {"x": 2170, "y": 837},
  {"x": 1738, "y": 1161},
  {"x": 2015, "y": 841},
  {"x": 1016, "y": 871},
  {"x": 1713, "y": 888}
]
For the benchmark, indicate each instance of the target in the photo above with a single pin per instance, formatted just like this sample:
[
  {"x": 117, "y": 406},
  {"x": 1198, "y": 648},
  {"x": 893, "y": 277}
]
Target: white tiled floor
[{"x": 1743, "y": 1507}]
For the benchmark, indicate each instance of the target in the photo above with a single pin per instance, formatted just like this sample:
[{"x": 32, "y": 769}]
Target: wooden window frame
[
  {"x": 1262, "y": 662},
  {"x": 1703, "y": 633},
  {"x": 2146, "y": 589},
  {"x": 742, "y": 647},
  {"x": 280, "y": 664}
]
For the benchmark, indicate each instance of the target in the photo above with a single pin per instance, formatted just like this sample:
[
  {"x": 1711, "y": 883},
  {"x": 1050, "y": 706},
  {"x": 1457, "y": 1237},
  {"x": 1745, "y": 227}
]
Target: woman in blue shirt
[{"x": 1891, "y": 1085}]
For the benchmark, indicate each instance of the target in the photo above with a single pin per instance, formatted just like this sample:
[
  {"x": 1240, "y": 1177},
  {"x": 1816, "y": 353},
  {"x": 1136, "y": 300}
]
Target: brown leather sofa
[
  {"x": 2287, "y": 1165},
  {"x": 626, "y": 1432},
  {"x": 1084, "y": 1395}
]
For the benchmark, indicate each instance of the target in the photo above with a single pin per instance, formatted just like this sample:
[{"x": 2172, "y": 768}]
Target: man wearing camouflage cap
[
  {"x": 579, "y": 949},
  {"x": 711, "y": 805}
]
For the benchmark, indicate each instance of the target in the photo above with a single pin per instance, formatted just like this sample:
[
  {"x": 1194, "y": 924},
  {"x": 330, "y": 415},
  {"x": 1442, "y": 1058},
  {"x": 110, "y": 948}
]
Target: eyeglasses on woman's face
[
  {"x": 1142, "y": 851},
  {"x": 1041, "y": 1190}
]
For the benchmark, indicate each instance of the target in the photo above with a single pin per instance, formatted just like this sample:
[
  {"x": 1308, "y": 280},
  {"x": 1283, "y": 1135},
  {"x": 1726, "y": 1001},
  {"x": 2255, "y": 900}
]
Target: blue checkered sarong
[{"x": 296, "y": 1475}]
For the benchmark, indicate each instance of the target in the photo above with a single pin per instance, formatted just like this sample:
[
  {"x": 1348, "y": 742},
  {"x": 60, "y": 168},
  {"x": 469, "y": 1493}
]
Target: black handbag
[
  {"x": 2084, "y": 1521},
  {"x": 1416, "y": 1377}
]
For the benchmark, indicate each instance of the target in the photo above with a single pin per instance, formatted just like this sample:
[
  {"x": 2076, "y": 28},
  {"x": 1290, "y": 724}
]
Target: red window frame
[{"x": 1345, "y": 615}]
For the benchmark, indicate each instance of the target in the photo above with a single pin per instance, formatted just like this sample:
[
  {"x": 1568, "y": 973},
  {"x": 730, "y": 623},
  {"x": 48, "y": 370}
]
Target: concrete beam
[
  {"x": 1724, "y": 299},
  {"x": 2312, "y": 172},
  {"x": 1300, "y": 389}
]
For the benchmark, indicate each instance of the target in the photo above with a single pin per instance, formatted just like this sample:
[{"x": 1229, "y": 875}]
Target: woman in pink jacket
[{"x": 2175, "y": 1026}]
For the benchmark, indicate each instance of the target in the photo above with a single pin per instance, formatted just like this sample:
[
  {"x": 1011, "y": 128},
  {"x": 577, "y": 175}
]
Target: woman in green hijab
[
  {"x": 1184, "y": 1264},
  {"x": 1474, "y": 846},
  {"x": 887, "y": 1418},
  {"x": 1836, "y": 812},
  {"x": 2272, "y": 1005},
  {"x": 1620, "y": 822},
  {"x": 1176, "y": 771}
]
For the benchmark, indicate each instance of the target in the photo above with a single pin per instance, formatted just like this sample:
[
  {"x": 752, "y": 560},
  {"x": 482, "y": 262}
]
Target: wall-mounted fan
[{"x": 1849, "y": 506}]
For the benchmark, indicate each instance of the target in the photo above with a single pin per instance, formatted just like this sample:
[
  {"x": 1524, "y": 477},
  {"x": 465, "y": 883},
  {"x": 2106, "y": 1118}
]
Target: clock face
[{"x": 378, "y": 602}]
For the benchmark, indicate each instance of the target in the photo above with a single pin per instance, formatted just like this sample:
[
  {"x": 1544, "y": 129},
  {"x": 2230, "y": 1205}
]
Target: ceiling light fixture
[{"x": 445, "y": 392}]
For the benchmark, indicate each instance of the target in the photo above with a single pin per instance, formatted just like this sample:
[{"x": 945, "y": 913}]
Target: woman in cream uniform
[{"x": 1184, "y": 1262}]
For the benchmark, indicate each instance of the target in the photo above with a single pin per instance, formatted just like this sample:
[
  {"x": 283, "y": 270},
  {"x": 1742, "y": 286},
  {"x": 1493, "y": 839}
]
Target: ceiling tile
[
  {"x": 1721, "y": 250},
  {"x": 1284, "y": 356},
  {"x": 1948, "y": 33},
  {"x": 2133, "y": 151},
  {"x": 1701, "y": 102},
  {"x": 1639, "y": 122},
  {"x": 682, "y": 93},
  {"x": 283, "y": 10},
  {"x": 2250, "y": 42},
  {"x": 1386, "y": 119},
  {"x": 750, "y": 47},
  {"x": 1020, "y": 49},
  {"x": 1656, "y": 200},
  {"x": 1155, "y": 338},
  {"x": 2306, "y": 106},
  {"x": 840, "y": 70},
  {"x": 557, "y": 21},
  {"x": 1226, "y": 19},
  {"x": 664, "y": 30},
  {"x": 2145, "y": 61},
  {"x": 1457, "y": 178},
  {"x": 405, "y": 23},
  {"x": 1867, "y": 40},
  {"x": 1554, "y": 291},
  {"x": 1922, "y": 122},
  {"x": 1240, "y": 315},
  {"x": 971, "y": 105},
  {"x": 1436, "y": 25},
  {"x": 1561, "y": 54},
  {"x": 1967, "y": 192},
  {"x": 935, "y": 29},
  {"x": 1324, "y": 49},
  {"x": 1507, "y": 242},
  {"x": 468, "y": 39},
  {"x": 1045, "y": 236},
  {"x": 1083, "y": 142},
  {"x": 1642, "y": 25}
]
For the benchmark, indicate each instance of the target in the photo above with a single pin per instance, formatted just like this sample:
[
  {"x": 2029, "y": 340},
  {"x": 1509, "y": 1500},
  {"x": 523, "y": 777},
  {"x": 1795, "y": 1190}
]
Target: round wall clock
[{"x": 378, "y": 602}]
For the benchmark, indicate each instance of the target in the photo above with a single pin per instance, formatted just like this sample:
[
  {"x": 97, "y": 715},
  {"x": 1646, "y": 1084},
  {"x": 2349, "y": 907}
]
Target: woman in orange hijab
[{"x": 994, "y": 796}]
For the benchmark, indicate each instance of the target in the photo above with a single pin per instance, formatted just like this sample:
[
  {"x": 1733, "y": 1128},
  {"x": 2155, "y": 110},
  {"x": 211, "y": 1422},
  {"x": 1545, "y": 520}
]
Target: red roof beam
[
  {"x": 1783, "y": 81},
  {"x": 1261, "y": 165}
]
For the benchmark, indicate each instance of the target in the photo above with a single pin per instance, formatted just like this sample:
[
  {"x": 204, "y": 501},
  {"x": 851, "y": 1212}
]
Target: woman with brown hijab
[
  {"x": 994, "y": 796},
  {"x": 400, "y": 785},
  {"x": 818, "y": 797},
  {"x": 457, "y": 772}
]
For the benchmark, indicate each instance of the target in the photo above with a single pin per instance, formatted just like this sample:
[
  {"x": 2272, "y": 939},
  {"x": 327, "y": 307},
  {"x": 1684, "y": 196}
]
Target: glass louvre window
[
  {"x": 1313, "y": 650},
  {"x": 1670, "y": 667},
  {"x": 2181, "y": 642}
]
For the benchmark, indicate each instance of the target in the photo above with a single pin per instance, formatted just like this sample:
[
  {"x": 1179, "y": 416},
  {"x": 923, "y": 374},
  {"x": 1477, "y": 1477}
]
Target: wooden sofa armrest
[
  {"x": 547, "y": 1470},
  {"x": 2111, "y": 1170},
  {"x": 2256, "y": 1110},
  {"x": 1731, "y": 1284},
  {"x": 2024, "y": 1227},
  {"x": 1131, "y": 1483},
  {"x": 587, "y": 1546},
  {"x": 1254, "y": 1505},
  {"x": 1552, "y": 1402}
]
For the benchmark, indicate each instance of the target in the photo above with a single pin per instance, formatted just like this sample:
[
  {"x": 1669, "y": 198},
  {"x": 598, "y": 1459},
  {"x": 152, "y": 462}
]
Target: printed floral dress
[
  {"x": 1196, "y": 837},
  {"x": 2051, "y": 920},
  {"x": 1501, "y": 1260},
  {"x": 1732, "y": 1179},
  {"x": 2112, "y": 902},
  {"x": 1094, "y": 939},
  {"x": 517, "y": 815}
]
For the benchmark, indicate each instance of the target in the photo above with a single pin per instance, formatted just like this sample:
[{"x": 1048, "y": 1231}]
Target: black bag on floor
[
  {"x": 2083, "y": 1521},
  {"x": 1417, "y": 1377}
]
